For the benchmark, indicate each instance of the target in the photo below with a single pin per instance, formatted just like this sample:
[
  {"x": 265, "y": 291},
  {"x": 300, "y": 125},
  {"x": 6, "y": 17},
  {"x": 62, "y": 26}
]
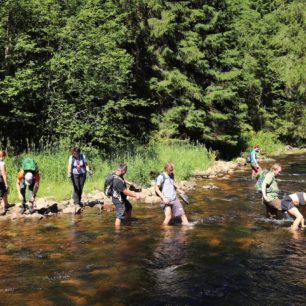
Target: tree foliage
[{"x": 110, "y": 74}]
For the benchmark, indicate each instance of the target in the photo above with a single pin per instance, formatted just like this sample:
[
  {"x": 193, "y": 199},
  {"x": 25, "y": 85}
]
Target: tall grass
[
  {"x": 266, "y": 140},
  {"x": 143, "y": 166}
]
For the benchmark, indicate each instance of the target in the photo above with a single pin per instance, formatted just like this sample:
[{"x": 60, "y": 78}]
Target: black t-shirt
[{"x": 119, "y": 185}]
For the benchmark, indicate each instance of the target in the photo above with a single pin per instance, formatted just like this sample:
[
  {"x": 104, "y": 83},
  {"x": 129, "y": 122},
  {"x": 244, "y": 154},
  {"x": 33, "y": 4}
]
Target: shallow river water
[{"x": 231, "y": 256}]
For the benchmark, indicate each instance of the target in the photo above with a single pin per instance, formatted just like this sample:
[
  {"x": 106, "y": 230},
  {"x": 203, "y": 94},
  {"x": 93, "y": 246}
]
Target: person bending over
[{"x": 289, "y": 203}]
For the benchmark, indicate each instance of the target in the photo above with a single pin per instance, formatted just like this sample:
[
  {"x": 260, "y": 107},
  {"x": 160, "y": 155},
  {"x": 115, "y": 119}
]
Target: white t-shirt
[{"x": 168, "y": 187}]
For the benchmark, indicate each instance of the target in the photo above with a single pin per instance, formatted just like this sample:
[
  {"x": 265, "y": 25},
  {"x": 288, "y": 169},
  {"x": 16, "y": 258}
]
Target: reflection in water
[{"x": 232, "y": 256}]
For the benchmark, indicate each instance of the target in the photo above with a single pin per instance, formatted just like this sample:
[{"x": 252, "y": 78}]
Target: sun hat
[{"x": 28, "y": 178}]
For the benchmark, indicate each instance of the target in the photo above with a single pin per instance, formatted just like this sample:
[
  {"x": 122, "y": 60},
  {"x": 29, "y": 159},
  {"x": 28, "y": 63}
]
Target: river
[{"x": 232, "y": 255}]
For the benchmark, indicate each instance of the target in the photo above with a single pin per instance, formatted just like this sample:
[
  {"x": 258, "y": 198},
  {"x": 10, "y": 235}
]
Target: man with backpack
[
  {"x": 166, "y": 190},
  {"x": 270, "y": 191},
  {"x": 27, "y": 176},
  {"x": 119, "y": 192}
]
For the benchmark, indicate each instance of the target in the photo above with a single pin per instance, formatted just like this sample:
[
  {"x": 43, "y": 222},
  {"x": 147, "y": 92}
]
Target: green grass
[
  {"x": 143, "y": 166},
  {"x": 267, "y": 141}
]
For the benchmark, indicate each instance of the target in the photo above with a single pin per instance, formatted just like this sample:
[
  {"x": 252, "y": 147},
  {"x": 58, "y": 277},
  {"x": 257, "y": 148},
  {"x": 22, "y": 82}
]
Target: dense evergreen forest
[{"x": 108, "y": 74}]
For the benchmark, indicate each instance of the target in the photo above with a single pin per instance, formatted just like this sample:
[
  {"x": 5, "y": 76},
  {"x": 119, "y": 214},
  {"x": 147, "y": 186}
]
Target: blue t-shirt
[
  {"x": 78, "y": 165},
  {"x": 253, "y": 157}
]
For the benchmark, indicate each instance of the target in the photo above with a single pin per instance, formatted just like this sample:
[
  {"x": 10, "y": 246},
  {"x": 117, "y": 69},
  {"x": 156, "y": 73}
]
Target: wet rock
[{"x": 210, "y": 187}]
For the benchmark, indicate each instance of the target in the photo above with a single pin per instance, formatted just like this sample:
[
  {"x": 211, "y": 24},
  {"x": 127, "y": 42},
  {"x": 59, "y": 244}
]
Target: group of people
[
  {"x": 270, "y": 193},
  {"x": 77, "y": 169},
  {"x": 165, "y": 188}
]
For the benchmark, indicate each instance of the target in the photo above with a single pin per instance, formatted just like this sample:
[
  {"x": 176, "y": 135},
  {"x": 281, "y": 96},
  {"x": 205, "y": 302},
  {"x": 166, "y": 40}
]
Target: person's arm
[
  {"x": 69, "y": 167},
  {"x": 18, "y": 189},
  {"x": 132, "y": 194},
  {"x": 3, "y": 172},
  {"x": 159, "y": 193}
]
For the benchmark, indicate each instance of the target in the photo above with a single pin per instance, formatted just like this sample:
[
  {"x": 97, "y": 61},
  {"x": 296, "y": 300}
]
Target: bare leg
[
  {"x": 117, "y": 222},
  {"x": 298, "y": 218},
  {"x": 167, "y": 215},
  {"x": 184, "y": 220}
]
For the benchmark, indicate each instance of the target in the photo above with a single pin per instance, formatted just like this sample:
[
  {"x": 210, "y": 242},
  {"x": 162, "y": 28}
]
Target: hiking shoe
[
  {"x": 77, "y": 209},
  {"x": 22, "y": 210},
  {"x": 31, "y": 209}
]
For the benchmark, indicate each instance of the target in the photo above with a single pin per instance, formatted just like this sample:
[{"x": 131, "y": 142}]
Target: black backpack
[{"x": 108, "y": 184}]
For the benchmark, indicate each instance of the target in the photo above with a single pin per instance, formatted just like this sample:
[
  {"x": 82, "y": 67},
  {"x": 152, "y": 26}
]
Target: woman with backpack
[
  {"x": 3, "y": 183},
  {"x": 77, "y": 168}
]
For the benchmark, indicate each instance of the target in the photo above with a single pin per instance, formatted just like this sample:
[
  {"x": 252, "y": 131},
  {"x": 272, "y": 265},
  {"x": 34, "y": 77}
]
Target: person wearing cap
[
  {"x": 256, "y": 169},
  {"x": 120, "y": 194},
  {"x": 28, "y": 179}
]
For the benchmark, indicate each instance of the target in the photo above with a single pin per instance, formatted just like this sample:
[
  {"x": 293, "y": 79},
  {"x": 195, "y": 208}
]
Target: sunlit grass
[{"x": 143, "y": 166}]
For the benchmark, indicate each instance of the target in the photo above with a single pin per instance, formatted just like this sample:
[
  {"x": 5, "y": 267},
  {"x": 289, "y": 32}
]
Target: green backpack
[
  {"x": 28, "y": 164},
  {"x": 260, "y": 178}
]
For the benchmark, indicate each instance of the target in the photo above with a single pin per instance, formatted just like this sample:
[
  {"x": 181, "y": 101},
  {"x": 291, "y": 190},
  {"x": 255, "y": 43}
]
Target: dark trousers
[
  {"x": 78, "y": 181},
  {"x": 23, "y": 188}
]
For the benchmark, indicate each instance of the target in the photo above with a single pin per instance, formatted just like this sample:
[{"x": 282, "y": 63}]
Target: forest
[{"x": 122, "y": 73}]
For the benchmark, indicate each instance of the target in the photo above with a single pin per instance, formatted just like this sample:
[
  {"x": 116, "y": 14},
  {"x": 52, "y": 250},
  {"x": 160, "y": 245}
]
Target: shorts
[
  {"x": 176, "y": 208},
  {"x": 287, "y": 203},
  {"x": 3, "y": 189},
  {"x": 276, "y": 203},
  {"x": 122, "y": 208}
]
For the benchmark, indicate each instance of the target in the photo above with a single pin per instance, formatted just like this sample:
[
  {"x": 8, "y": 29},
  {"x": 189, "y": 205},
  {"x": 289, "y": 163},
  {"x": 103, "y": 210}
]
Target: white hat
[{"x": 28, "y": 178}]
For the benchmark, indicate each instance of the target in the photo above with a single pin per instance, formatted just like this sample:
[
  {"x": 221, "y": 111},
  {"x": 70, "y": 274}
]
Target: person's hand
[
  {"x": 165, "y": 200},
  {"x": 20, "y": 196},
  {"x": 90, "y": 172},
  {"x": 69, "y": 175}
]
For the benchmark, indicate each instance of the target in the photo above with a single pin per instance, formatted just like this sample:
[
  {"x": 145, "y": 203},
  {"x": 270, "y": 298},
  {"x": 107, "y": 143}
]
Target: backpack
[
  {"x": 74, "y": 159},
  {"x": 248, "y": 158},
  {"x": 108, "y": 184},
  {"x": 260, "y": 179},
  {"x": 28, "y": 164}
]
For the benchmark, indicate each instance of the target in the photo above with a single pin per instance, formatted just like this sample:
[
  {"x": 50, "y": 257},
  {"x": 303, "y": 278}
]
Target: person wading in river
[
  {"x": 256, "y": 169},
  {"x": 166, "y": 190},
  {"x": 289, "y": 203},
  {"x": 120, "y": 194},
  {"x": 270, "y": 191}
]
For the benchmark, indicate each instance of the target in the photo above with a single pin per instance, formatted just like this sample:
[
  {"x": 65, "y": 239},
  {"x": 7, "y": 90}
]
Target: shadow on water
[{"x": 232, "y": 255}]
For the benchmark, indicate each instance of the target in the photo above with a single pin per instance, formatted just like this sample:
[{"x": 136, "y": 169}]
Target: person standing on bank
[
  {"x": 120, "y": 194},
  {"x": 270, "y": 191},
  {"x": 3, "y": 184},
  {"x": 77, "y": 168},
  {"x": 166, "y": 190}
]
